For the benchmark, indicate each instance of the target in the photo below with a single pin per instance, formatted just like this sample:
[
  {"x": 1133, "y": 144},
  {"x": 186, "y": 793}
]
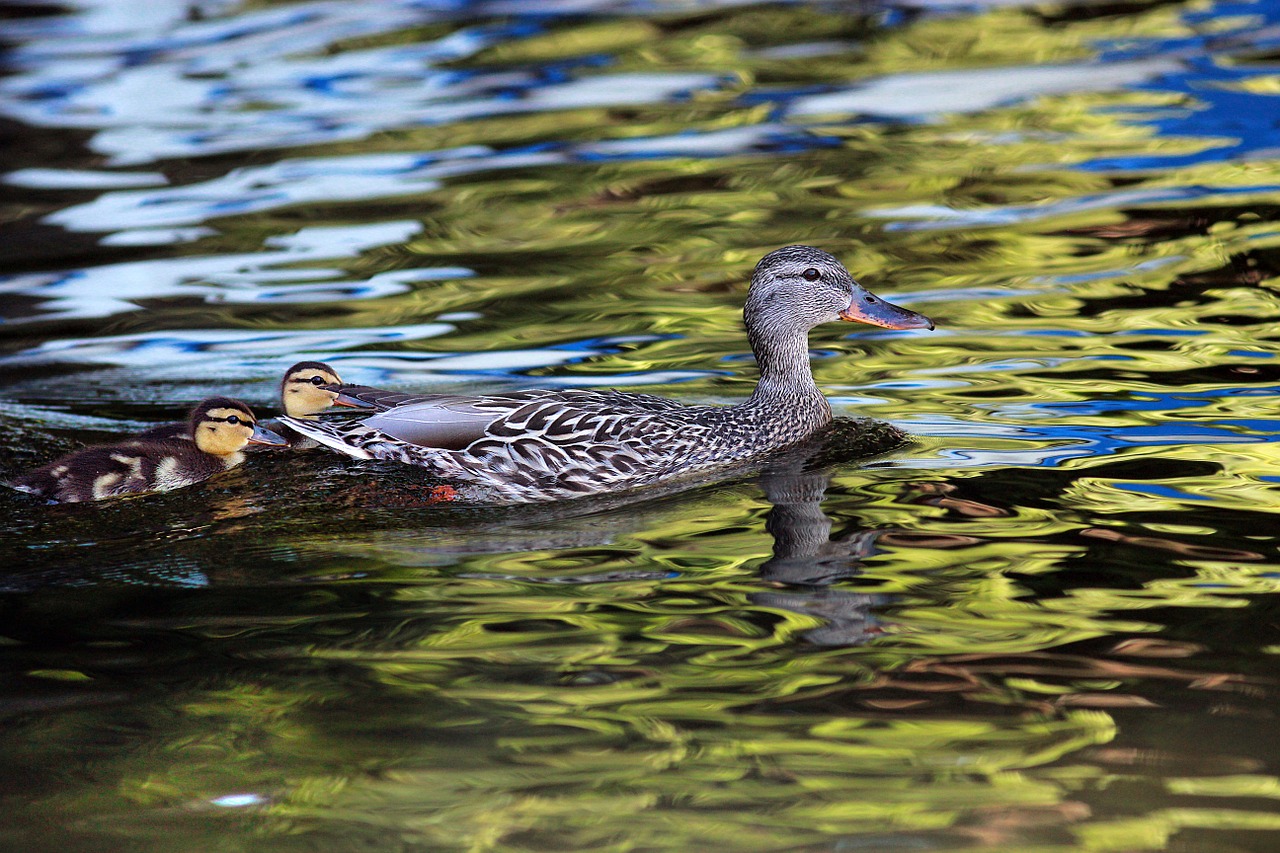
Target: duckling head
[
  {"x": 302, "y": 393},
  {"x": 222, "y": 427}
]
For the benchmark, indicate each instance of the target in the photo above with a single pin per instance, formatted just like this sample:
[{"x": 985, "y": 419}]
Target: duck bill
[
  {"x": 866, "y": 308},
  {"x": 345, "y": 399},
  {"x": 262, "y": 435}
]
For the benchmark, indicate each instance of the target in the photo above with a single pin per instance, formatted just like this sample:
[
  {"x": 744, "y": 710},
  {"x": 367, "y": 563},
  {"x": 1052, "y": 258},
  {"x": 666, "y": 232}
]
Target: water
[{"x": 1046, "y": 624}]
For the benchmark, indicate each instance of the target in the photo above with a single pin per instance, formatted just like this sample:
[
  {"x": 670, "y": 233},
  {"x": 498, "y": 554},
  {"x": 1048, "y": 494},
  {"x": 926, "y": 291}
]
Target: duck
[
  {"x": 220, "y": 429},
  {"x": 304, "y": 394},
  {"x": 550, "y": 444}
]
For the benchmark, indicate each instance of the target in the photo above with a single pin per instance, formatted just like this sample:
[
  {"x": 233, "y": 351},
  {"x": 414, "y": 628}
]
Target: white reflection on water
[
  {"x": 151, "y": 138},
  {"x": 927, "y": 217},
  {"x": 82, "y": 179},
  {"x": 923, "y": 94},
  {"x": 100, "y": 19},
  {"x": 112, "y": 289},
  {"x": 163, "y": 354},
  {"x": 156, "y": 236},
  {"x": 375, "y": 176},
  {"x": 203, "y": 86},
  {"x": 255, "y": 189}
]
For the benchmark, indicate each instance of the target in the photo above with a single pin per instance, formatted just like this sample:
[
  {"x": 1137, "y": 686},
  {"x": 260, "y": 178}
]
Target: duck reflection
[
  {"x": 808, "y": 560},
  {"x": 805, "y": 564}
]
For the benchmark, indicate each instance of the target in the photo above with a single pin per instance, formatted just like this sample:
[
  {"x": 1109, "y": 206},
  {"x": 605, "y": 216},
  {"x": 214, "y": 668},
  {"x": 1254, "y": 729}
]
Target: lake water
[{"x": 1050, "y": 623}]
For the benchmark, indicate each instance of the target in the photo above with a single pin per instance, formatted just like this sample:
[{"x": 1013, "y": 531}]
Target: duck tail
[{"x": 344, "y": 437}]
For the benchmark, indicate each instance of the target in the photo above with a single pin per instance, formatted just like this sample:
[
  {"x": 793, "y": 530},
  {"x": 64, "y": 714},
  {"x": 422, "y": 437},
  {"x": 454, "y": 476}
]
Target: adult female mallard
[
  {"x": 544, "y": 445},
  {"x": 220, "y": 428},
  {"x": 304, "y": 393}
]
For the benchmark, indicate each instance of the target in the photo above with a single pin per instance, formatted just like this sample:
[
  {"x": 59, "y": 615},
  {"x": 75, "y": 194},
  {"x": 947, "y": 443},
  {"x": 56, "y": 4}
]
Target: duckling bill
[{"x": 220, "y": 429}]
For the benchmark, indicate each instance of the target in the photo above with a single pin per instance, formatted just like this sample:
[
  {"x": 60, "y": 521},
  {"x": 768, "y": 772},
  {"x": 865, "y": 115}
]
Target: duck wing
[
  {"x": 537, "y": 445},
  {"x": 452, "y": 421},
  {"x": 449, "y": 423}
]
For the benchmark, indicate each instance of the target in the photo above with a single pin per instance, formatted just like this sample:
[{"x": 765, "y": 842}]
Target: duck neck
[{"x": 786, "y": 378}]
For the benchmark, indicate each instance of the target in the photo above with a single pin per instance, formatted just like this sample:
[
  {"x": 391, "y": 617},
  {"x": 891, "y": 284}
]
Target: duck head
[{"x": 806, "y": 286}]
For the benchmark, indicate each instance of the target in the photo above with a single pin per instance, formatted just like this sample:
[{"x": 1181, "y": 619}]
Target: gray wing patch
[{"x": 449, "y": 423}]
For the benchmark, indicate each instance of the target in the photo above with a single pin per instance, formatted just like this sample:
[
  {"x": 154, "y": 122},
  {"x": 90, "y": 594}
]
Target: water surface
[{"x": 1043, "y": 625}]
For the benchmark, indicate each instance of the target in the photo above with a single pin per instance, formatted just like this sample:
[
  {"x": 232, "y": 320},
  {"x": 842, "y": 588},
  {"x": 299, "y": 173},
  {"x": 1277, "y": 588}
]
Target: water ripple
[
  {"x": 940, "y": 648},
  {"x": 367, "y": 177},
  {"x": 921, "y": 95},
  {"x": 200, "y": 91},
  {"x": 110, "y": 289}
]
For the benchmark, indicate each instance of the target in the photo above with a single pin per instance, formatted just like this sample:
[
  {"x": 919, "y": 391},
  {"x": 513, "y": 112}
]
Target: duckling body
[
  {"x": 304, "y": 393},
  {"x": 542, "y": 445},
  {"x": 219, "y": 427}
]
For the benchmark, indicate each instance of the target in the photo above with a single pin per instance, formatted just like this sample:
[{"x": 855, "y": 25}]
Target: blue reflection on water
[
  {"x": 1148, "y": 401},
  {"x": 1051, "y": 445},
  {"x": 1241, "y": 123},
  {"x": 1161, "y": 490}
]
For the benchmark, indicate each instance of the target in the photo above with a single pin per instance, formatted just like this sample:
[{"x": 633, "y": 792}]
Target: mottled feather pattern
[
  {"x": 545, "y": 444},
  {"x": 550, "y": 444}
]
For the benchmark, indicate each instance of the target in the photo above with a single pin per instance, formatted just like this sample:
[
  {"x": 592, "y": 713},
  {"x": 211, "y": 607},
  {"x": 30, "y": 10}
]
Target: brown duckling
[
  {"x": 302, "y": 395},
  {"x": 221, "y": 427}
]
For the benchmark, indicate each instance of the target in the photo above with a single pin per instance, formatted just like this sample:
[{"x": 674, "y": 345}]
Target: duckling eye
[
  {"x": 811, "y": 274},
  {"x": 317, "y": 380},
  {"x": 233, "y": 419}
]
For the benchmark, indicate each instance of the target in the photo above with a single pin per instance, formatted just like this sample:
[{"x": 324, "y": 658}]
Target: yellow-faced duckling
[
  {"x": 220, "y": 427},
  {"x": 302, "y": 395}
]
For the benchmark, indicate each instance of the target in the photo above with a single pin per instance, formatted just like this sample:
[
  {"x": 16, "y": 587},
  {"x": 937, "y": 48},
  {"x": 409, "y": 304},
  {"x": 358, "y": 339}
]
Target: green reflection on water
[{"x": 652, "y": 677}]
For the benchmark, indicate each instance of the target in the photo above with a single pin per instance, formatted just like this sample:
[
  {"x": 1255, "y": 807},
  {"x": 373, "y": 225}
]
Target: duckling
[
  {"x": 303, "y": 395},
  {"x": 221, "y": 427}
]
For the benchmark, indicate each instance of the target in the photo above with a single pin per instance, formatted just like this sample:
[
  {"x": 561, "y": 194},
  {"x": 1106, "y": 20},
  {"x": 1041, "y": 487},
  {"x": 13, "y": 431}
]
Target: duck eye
[
  {"x": 232, "y": 419},
  {"x": 811, "y": 274},
  {"x": 872, "y": 300},
  {"x": 317, "y": 380}
]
